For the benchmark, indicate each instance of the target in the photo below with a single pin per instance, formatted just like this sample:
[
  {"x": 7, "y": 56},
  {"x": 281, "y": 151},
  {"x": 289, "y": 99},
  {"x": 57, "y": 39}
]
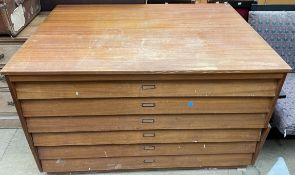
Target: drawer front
[
  {"x": 138, "y": 137},
  {"x": 6, "y": 102},
  {"x": 121, "y": 163},
  {"x": 144, "y": 122},
  {"x": 113, "y": 89},
  {"x": 127, "y": 106},
  {"x": 6, "y": 51},
  {"x": 97, "y": 151}
]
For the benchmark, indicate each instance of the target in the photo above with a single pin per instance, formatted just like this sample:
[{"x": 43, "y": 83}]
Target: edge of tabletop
[{"x": 270, "y": 71}]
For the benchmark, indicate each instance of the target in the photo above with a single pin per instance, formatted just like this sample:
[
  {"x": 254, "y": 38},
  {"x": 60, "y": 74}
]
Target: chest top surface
[{"x": 144, "y": 39}]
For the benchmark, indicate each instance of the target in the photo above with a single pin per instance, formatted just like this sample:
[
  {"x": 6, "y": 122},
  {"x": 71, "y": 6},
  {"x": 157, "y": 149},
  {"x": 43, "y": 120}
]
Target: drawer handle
[
  {"x": 149, "y": 147},
  {"x": 1, "y": 56},
  {"x": 149, "y": 134},
  {"x": 10, "y": 103},
  {"x": 149, "y": 161},
  {"x": 148, "y": 86},
  {"x": 147, "y": 120},
  {"x": 148, "y": 105}
]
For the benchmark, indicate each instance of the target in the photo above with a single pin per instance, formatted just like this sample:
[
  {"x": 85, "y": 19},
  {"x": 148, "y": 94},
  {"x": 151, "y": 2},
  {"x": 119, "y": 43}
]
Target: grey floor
[{"x": 16, "y": 158}]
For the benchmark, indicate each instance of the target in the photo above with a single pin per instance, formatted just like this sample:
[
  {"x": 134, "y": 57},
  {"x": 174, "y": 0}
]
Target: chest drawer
[
  {"x": 6, "y": 102},
  {"x": 121, "y": 163},
  {"x": 144, "y": 122},
  {"x": 138, "y": 137},
  {"x": 96, "y": 151},
  {"x": 126, "y": 106},
  {"x": 6, "y": 51},
  {"x": 114, "y": 89}
]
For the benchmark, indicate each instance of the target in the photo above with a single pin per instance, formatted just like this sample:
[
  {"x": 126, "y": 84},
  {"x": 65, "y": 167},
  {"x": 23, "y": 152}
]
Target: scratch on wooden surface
[
  {"x": 105, "y": 154},
  {"x": 59, "y": 161},
  {"x": 114, "y": 166}
]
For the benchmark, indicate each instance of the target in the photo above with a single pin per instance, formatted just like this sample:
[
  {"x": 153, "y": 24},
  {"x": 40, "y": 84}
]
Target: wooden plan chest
[{"x": 125, "y": 87}]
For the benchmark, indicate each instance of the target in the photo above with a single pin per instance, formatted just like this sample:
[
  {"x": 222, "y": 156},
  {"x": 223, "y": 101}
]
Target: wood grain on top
[{"x": 145, "y": 39}]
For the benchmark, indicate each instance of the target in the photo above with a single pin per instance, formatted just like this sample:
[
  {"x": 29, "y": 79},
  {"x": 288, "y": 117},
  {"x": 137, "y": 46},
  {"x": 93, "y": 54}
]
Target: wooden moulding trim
[
  {"x": 23, "y": 123},
  {"x": 97, "y": 151},
  {"x": 92, "y": 107},
  {"x": 135, "y": 88},
  {"x": 143, "y": 122},
  {"x": 265, "y": 131},
  {"x": 154, "y": 169},
  {"x": 279, "y": 87},
  {"x": 194, "y": 161},
  {"x": 143, "y": 72},
  {"x": 264, "y": 134},
  {"x": 91, "y": 77},
  {"x": 146, "y": 137}
]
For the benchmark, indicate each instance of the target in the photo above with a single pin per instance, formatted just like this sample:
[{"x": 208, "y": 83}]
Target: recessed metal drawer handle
[
  {"x": 148, "y": 105},
  {"x": 1, "y": 56},
  {"x": 10, "y": 103},
  {"x": 149, "y": 161},
  {"x": 147, "y": 120},
  {"x": 149, "y": 134},
  {"x": 148, "y": 86},
  {"x": 149, "y": 147}
]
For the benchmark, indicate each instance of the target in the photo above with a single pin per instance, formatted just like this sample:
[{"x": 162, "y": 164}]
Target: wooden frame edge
[
  {"x": 264, "y": 134},
  {"x": 265, "y": 131},
  {"x": 24, "y": 124},
  {"x": 279, "y": 87}
]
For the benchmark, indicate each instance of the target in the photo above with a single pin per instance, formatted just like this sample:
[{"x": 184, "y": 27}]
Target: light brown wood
[
  {"x": 66, "y": 78},
  {"x": 104, "y": 53},
  {"x": 264, "y": 134},
  {"x": 274, "y": 100},
  {"x": 136, "y": 137},
  {"x": 77, "y": 107},
  {"x": 268, "y": 2},
  {"x": 187, "y": 161},
  {"x": 68, "y": 152},
  {"x": 145, "y": 39},
  {"x": 144, "y": 122},
  {"x": 220, "y": 88}
]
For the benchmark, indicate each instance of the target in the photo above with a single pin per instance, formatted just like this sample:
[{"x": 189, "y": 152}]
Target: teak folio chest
[{"x": 124, "y": 87}]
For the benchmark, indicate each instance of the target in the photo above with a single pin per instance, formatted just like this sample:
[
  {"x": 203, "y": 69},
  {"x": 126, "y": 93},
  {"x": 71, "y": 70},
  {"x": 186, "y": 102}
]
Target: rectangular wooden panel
[
  {"x": 140, "y": 77},
  {"x": 53, "y": 90},
  {"x": 127, "y": 106},
  {"x": 144, "y": 122},
  {"x": 67, "y": 152},
  {"x": 137, "y": 137},
  {"x": 124, "y": 163}
]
